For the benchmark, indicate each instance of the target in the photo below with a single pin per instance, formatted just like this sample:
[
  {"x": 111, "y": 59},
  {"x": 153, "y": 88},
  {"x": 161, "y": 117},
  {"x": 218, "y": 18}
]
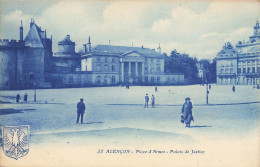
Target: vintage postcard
[{"x": 130, "y": 83}]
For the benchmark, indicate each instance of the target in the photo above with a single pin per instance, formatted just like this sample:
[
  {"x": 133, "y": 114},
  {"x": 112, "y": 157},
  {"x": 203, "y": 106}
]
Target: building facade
[
  {"x": 120, "y": 64},
  {"x": 30, "y": 63},
  {"x": 240, "y": 64}
]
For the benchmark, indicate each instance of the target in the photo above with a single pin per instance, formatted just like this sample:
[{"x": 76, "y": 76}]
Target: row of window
[
  {"x": 152, "y": 79},
  {"x": 239, "y": 70},
  {"x": 158, "y": 69},
  {"x": 106, "y": 59},
  {"x": 249, "y": 70},
  {"x": 106, "y": 68},
  {"x": 248, "y": 63},
  {"x": 98, "y": 80}
]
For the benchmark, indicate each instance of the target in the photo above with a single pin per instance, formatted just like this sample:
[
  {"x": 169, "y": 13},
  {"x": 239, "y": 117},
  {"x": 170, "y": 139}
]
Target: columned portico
[{"x": 130, "y": 71}]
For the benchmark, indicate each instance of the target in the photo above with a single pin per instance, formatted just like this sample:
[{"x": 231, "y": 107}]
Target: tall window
[
  {"x": 98, "y": 67},
  {"x": 152, "y": 79},
  {"x": 226, "y": 70},
  {"x": 158, "y": 68},
  {"x": 106, "y": 67},
  {"x": 253, "y": 69},
  {"x": 113, "y": 68},
  {"x": 231, "y": 70},
  {"x": 98, "y": 59},
  {"x": 158, "y": 78},
  {"x": 98, "y": 79},
  {"x": 146, "y": 69},
  {"x": 106, "y": 59},
  {"x": 146, "y": 78},
  {"x": 31, "y": 76},
  {"x": 248, "y": 69},
  {"x": 105, "y": 81},
  {"x": 239, "y": 70},
  {"x": 71, "y": 79},
  {"x": 113, "y": 79}
]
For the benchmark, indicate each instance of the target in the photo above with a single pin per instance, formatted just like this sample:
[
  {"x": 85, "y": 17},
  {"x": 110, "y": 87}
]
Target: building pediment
[{"x": 132, "y": 56}]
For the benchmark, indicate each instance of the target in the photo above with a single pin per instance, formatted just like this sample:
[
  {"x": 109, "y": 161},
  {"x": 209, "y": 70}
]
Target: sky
[{"x": 199, "y": 28}]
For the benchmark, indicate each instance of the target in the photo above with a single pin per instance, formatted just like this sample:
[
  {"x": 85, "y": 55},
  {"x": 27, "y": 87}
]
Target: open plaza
[{"x": 115, "y": 118}]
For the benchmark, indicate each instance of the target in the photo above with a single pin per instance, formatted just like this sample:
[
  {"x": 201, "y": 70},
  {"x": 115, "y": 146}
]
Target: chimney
[
  {"x": 142, "y": 46},
  {"x": 89, "y": 44},
  {"x": 68, "y": 36},
  {"x": 21, "y": 31},
  {"x": 109, "y": 42}
]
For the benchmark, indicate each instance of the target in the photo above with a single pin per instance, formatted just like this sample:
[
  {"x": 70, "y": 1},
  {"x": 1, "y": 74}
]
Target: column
[
  {"x": 256, "y": 66},
  {"x": 129, "y": 73},
  {"x": 142, "y": 71},
  {"x": 122, "y": 72},
  {"x": 136, "y": 72},
  {"x": 246, "y": 67},
  {"x": 136, "y": 69}
]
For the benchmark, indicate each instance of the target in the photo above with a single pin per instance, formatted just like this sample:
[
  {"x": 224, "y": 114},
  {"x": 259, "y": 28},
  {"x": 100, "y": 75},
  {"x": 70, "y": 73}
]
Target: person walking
[
  {"x": 146, "y": 98},
  {"x": 25, "y": 97},
  {"x": 155, "y": 89},
  {"x": 18, "y": 97},
  {"x": 209, "y": 86},
  {"x": 186, "y": 112},
  {"x": 153, "y": 100},
  {"x": 80, "y": 110},
  {"x": 234, "y": 88}
]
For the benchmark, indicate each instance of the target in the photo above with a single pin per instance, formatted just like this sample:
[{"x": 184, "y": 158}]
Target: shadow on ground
[{"x": 13, "y": 111}]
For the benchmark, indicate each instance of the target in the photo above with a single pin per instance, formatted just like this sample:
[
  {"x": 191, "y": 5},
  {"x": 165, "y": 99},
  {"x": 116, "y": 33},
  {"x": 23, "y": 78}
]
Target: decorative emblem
[{"x": 16, "y": 140}]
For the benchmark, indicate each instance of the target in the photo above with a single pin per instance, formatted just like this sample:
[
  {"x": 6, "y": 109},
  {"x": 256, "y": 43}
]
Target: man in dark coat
[
  {"x": 187, "y": 112},
  {"x": 233, "y": 88},
  {"x": 146, "y": 98},
  {"x": 80, "y": 110},
  {"x": 25, "y": 97},
  {"x": 18, "y": 97}
]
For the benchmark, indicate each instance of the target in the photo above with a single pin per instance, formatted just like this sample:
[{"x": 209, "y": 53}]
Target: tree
[{"x": 182, "y": 63}]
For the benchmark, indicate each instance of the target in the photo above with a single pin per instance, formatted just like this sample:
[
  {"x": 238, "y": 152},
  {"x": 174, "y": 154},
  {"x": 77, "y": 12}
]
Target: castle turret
[
  {"x": 66, "y": 45},
  {"x": 21, "y": 31}
]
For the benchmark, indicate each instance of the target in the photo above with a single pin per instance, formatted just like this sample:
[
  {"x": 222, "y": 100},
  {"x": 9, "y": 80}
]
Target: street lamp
[
  {"x": 207, "y": 88},
  {"x": 34, "y": 91}
]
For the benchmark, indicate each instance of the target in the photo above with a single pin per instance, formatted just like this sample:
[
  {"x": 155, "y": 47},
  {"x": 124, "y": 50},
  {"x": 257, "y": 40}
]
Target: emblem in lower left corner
[{"x": 16, "y": 140}]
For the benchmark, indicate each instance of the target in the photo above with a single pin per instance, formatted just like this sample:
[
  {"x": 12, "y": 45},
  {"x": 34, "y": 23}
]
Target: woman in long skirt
[{"x": 187, "y": 112}]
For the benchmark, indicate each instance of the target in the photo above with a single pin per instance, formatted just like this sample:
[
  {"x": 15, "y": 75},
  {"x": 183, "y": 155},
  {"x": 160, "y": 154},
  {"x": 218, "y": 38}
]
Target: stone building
[
  {"x": 30, "y": 63},
  {"x": 241, "y": 64},
  {"x": 24, "y": 63},
  {"x": 110, "y": 65}
]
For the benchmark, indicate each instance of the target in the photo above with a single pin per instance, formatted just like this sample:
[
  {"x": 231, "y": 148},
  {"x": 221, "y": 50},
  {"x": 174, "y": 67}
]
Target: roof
[
  {"x": 101, "y": 50},
  {"x": 66, "y": 40}
]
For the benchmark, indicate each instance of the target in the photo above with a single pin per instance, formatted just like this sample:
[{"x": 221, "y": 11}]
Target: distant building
[
  {"x": 241, "y": 64},
  {"x": 30, "y": 63},
  {"x": 201, "y": 71},
  {"x": 121, "y": 64}
]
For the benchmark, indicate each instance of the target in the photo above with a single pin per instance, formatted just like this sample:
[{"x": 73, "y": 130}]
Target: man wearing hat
[
  {"x": 80, "y": 110},
  {"x": 187, "y": 112},
  {"x": 146, "y": 98}
]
